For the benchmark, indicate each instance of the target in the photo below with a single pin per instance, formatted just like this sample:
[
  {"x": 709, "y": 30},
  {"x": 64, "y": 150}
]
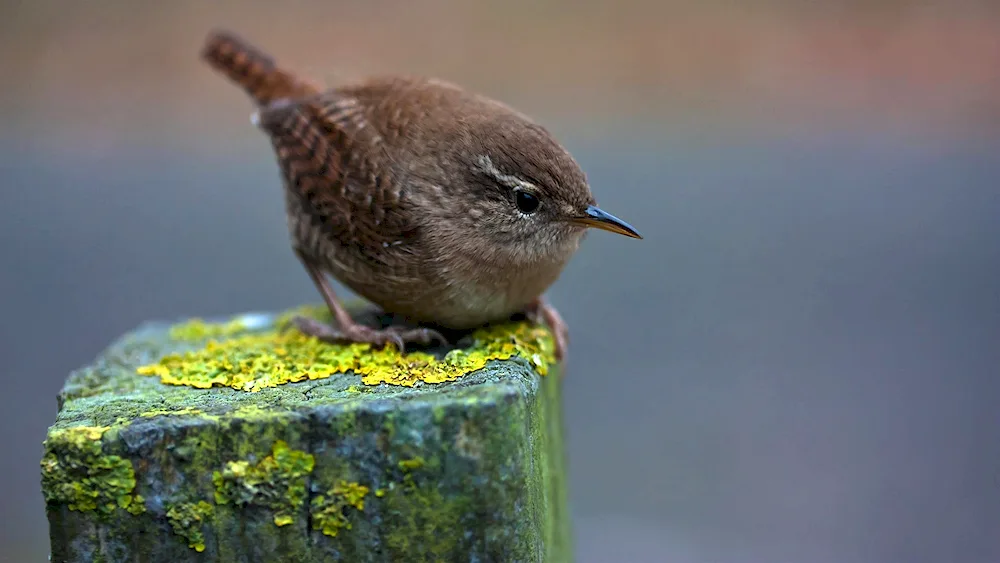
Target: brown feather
[
  {"x": 252, "y": 70},
  {"x": 335, "y": 162}
]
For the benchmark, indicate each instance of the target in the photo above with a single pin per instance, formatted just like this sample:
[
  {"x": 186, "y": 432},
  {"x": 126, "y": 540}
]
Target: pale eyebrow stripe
[{"x": 485, "y": 163}]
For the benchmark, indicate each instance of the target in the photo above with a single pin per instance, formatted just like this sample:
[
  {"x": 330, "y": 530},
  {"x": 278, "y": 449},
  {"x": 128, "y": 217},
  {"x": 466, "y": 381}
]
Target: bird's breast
[{"x": 474, "y": 292}]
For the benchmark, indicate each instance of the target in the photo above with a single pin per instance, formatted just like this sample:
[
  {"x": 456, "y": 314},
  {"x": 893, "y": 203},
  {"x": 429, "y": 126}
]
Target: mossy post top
[
  {"x": 252, "y": 352},
  {"x": 193, "y": 435}
]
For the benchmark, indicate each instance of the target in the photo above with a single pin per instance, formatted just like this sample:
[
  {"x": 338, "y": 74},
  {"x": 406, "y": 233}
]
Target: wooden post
[{"x": 238, "y": 441}]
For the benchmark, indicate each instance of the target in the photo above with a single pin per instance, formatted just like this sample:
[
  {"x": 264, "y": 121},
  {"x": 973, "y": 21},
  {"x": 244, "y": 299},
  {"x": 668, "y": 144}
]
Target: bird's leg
[
  {"x": 347, "y": 329},
  {"x": 540, "y": 311}
]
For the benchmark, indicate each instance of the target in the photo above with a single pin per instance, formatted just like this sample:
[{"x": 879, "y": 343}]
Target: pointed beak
[{"x": 599, "y": 219}]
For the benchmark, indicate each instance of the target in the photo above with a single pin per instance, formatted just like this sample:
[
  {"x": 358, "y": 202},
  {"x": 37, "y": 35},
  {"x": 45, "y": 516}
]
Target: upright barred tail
[{"x": 252, "y": 70}]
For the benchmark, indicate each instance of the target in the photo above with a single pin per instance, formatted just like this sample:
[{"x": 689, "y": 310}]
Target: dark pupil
[{"x": 526, "y": 202}]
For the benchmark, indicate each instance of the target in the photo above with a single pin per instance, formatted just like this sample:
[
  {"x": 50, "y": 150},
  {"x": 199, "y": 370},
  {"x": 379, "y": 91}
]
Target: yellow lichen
[
  {"x": 277, "y": 482},
  {"x": 251, "y": 362},
  {"x": 328, "y": 510},
  {"x": 187, "y": 520},
  {"x": 134, "y": 505},
  {"x": 352, "y": 493},
  {"x": 411, "y": 464},
  {"x": 77, "y": 473}
]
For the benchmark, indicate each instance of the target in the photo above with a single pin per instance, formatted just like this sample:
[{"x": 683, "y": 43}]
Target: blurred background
[{"x": 798, "y": 364}]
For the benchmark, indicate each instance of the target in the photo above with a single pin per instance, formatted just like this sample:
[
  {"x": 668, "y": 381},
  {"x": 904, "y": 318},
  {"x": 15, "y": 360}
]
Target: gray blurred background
[{"x": 798, "y": 364}]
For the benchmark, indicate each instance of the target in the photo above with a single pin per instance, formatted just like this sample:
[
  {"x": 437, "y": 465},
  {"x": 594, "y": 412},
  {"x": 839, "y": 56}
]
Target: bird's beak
[{"x": 599, "y": 219}]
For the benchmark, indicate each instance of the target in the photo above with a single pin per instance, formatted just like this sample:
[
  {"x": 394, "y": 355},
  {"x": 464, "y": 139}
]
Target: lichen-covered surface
[
  {"x": 237, "y": 441},
  {"x": 252, "y": 360}
]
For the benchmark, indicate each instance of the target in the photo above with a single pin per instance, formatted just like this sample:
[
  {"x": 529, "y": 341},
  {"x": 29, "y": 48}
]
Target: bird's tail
[{"x": 252, "y": 70}]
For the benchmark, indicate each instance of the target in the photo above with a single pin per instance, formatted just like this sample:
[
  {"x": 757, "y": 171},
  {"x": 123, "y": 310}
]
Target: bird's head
[{"x": 525, "y": 191}]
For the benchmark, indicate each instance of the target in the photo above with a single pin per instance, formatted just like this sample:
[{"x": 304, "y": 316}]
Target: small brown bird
[{"x": 438, "y": 205}]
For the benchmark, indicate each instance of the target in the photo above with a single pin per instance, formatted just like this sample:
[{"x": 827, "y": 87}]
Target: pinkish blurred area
[{"x": 119, "y": 64}]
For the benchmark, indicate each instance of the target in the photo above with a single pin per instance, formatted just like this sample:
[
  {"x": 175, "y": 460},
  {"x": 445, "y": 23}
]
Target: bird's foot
[
  {"x": 400, "y": 336},
  {"x": 542, "y": 312}
]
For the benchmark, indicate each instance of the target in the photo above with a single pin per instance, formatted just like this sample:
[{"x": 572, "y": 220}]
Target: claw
[
  {"x": 395, "y": 338},
  {"x": 542, "y": 312},
  {"x": 423, "y": 336},
  {"x": 358, "y": 333},
  {"x": 534, "y": 316}
]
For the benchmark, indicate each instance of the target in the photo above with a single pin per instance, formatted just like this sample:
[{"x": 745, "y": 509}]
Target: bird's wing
[{"x": 338, "y": 164}]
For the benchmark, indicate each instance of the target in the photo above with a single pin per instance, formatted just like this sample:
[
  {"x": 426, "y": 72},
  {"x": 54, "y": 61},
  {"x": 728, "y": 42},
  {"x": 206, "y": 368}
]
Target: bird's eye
[{"x": 526, "y": 202}]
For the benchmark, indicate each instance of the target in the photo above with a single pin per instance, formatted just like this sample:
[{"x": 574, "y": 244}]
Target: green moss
[
  {"x": 168, "y": 412},
  {"x": 328, "y": 510},
  {"x": 439, "y": 413},
  {"x": 546, "y": 431},
  {"x": 257, "y": 412},
  {"x": 420, "y": 522},
  {"x": 198, "y": 329},
  {"x": 254, "y": 361},
  {"x": 77, "y": 473},
  {"x": 197, "y": 449},
  {"x": 418, "y": 519},
  {"x": 187, "y": 520},
  {"x": 277, "y": 482}
]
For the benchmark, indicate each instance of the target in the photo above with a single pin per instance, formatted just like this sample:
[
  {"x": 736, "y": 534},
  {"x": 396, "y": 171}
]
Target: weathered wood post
[{"x": 238, "y": 441}]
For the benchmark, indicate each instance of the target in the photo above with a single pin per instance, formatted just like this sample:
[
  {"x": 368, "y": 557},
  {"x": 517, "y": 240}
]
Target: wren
[{"x": 442, "y": 206}]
